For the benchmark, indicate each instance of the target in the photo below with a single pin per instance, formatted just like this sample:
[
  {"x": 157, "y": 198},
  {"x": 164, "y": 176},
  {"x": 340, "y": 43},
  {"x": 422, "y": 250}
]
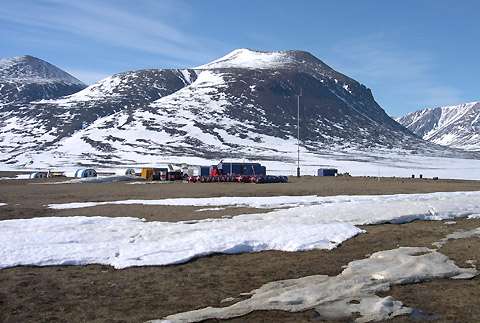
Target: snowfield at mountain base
[{"x": 356, "y": 163}]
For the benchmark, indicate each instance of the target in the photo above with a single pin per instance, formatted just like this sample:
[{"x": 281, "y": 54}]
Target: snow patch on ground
[
  {"x": 254, "y": 202},
  {"x": 353, "y": 291},
  {"x": 356, "y": 210},
  {"x": 458, "y": 235},
  {"x": 126, "y": 242}
]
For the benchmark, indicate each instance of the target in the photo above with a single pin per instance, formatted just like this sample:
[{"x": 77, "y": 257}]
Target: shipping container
[{"x": 251, "y": 169}]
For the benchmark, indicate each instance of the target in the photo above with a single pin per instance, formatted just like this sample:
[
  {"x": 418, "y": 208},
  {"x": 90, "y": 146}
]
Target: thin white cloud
[
  {"x": 86, "y": 76},
  {"x": 114, "y": 24},
  {"x": 402, "y": 80}
]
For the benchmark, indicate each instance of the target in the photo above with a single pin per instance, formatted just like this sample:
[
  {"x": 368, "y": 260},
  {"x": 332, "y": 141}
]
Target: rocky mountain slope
[
  {"x": 25, "y": 78},
  {"x": 243, "y": 105},
  {"x": 455, "y": 126}
]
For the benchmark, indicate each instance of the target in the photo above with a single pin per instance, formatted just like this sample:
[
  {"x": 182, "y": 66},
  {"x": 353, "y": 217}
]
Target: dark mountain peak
[
  {"x": 35, "y": 70},
  {"x": 302, "y": 55},
  {"x": 27, "y": 78}
]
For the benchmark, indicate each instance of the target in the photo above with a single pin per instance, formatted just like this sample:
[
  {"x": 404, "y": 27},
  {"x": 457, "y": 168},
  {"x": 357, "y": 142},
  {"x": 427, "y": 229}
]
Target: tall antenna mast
[{"x": 298, "y": 132}]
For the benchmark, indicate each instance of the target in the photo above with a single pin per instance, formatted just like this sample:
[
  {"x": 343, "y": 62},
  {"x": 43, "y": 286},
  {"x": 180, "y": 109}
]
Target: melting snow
[
  {"x": 458, "y": 235},
  {"x": 125, "y": 242},
  {"x": 353, "y": 291},
  {"x": 255, "y": 202},
  {"x": 368, "y": 209}
]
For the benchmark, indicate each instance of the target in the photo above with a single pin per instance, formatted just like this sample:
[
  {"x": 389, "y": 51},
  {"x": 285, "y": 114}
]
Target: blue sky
[{"x": 411, "y": 53}]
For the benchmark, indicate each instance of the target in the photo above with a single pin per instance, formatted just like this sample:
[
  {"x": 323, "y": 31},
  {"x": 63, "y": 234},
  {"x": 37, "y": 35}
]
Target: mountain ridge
[
  {"x": 223, "y": 109},
  {"x": 455, "y": 126}
]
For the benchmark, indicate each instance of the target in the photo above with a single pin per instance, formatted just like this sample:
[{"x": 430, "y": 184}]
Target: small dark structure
[
  {"x": 175, "y": 175},
  {"x": 327, "y": 172}
]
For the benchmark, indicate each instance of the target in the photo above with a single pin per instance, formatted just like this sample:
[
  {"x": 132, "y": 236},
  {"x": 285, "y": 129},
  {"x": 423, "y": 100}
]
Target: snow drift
[{"x": 125, "y": 242}]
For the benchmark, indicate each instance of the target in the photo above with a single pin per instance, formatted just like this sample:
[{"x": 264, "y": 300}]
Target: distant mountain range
[
  {"x": 243, "y": 105},
  {"x": 455, "y": 126}
]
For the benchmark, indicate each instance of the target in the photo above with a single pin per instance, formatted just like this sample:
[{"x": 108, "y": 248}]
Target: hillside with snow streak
[{"x": 455, "y": 126}]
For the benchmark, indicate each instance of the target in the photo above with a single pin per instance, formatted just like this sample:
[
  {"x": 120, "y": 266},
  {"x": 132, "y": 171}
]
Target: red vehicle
[{"x": 214, "y": 171}]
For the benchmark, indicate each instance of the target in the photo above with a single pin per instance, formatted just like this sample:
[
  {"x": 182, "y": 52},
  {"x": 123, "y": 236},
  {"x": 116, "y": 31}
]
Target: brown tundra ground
[{"x": 98, "y": 293}]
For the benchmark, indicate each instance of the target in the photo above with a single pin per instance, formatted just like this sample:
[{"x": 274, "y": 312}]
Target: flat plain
[{"x": 98, "y": 293}]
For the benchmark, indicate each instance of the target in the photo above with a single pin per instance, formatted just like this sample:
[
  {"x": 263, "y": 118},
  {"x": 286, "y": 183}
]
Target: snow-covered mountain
[
  {"x": 41, "y": 127},
  {"x": 25, "y": 78},
  {"x": 243, "y": 105},
  {"x": 455, "y": 126}
]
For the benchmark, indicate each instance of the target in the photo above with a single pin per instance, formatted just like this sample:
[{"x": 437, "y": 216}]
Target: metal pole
[{"x": 298, "y": 133}]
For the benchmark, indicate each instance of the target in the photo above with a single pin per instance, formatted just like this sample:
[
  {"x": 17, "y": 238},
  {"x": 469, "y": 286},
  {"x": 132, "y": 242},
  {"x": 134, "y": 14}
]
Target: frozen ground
[
  {"x": 353, "y": 291},
  {"x": 304, "y": 223}
]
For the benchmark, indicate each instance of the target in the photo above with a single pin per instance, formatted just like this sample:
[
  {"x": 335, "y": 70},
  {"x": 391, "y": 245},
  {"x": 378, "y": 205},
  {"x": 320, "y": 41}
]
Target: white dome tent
[
  {"x": 85, "y": 172},
  {"x": 36, "y": 175},
  {"x": 130, "y": 172}
]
